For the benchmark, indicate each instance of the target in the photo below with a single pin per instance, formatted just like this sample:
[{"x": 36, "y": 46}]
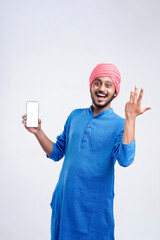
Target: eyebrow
[{"x": 107, "y": 81}]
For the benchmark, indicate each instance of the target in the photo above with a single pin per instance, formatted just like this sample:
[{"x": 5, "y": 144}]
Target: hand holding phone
[
  {"x": 31, "y": 118},
  {"x": 33, "y": 124}
]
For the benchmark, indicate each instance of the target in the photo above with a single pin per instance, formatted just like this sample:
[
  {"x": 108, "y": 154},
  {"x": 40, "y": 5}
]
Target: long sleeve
[
  {"x": 123, "y": 153},
  {"x": 60, "y": 146}
]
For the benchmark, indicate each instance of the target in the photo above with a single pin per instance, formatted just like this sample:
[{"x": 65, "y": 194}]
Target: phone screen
[{"x": 32, "y": 113}]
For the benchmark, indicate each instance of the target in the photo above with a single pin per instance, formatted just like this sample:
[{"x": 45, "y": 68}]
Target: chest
[{"x": 92, "y": 133}]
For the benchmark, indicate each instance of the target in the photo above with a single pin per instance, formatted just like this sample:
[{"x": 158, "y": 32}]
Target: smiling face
[{"x": 102, "y": 92}]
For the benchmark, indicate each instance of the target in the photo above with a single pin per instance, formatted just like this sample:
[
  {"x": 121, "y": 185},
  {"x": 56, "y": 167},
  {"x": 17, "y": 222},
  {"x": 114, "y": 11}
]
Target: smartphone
[{"x": 32, "y": 111}]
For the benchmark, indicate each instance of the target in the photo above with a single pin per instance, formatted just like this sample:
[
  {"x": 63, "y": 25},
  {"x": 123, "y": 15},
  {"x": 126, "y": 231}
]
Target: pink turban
[{"x": 106, "y": 70}]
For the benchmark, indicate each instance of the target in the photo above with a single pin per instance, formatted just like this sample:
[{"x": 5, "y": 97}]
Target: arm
[
  {"x": 53, "y": 150},
  {"x": 123, "y": 153},
  {"x": 132, "y": 110},
  {"x": 44, "y": 141},
  {"x": 124, "y": 148}
]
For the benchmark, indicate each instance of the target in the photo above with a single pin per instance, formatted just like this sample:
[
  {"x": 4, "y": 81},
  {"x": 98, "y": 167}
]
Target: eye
[
  {"x": 97, "y": 83},
  {"x": 108, "y": 85}
]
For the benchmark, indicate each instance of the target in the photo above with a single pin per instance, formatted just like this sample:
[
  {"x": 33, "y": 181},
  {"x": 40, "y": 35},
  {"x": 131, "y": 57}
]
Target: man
[{"x": 92, "y": 140}]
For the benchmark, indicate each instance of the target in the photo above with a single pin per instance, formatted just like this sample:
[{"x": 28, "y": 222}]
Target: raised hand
[
  {"x": 33, "y": 130},
  {"x": 133, "y": 107}
]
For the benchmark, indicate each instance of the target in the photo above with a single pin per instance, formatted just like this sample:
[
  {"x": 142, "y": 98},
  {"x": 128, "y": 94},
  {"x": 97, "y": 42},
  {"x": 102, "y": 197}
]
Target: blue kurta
[{"x": 82, "y": 202}]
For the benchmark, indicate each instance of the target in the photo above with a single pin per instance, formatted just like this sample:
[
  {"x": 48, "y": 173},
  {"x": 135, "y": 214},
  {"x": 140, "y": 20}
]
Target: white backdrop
[{"x": 47, "y": 51}]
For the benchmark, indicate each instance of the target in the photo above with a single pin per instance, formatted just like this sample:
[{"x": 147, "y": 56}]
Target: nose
[{"x": 102, "y": 87}]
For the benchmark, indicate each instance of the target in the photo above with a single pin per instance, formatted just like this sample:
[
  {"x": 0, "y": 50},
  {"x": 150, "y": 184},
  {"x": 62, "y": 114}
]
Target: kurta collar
[{"x": 104, "y": 112}]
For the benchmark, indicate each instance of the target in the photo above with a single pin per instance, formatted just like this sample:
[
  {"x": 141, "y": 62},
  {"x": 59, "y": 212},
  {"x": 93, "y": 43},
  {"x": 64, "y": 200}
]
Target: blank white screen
[{"x": 32, "y": 114}]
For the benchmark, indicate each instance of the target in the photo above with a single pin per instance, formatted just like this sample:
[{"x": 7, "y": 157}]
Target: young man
[{"x": 92, "y": 140}]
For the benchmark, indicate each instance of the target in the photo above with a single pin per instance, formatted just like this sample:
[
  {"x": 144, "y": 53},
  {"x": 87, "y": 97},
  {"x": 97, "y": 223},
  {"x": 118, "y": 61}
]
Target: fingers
[
  {"x": 24, "y": 117},
  {"x": 131, "y": 97},
  {"x": 135, "y": 104},
  {"x": 140, "y": 96},
  {"x": 135, "y": 94},
  {"x": 24, "y": 122}
]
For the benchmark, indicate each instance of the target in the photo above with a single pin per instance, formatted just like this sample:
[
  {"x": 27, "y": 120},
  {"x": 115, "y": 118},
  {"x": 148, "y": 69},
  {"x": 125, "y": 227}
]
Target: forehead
[{"x": 103, "y": 79}]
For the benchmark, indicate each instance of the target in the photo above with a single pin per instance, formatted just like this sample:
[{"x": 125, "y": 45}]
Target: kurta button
[
  {"x": 88, "y": 125},
  {"x": 85, "y": 136},
  {"x": 92, "y": 117}
]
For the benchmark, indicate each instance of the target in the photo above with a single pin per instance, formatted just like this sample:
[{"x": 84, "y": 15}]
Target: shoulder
[
  {"x": 118, "y": 118},
  {"x": 76, "y": 112},
  {"x": 79, "y": 111},
  {"x": 119, "y": 121}
]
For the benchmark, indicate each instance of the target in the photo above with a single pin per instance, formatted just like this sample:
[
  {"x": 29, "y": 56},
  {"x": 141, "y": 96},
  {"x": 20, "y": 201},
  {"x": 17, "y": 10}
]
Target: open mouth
[{"x": 100, "y": 96}]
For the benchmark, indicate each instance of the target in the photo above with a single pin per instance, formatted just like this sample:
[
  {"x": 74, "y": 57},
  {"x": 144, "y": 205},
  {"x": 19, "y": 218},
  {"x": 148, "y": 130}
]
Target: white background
[{"x": 47, "y": 52}]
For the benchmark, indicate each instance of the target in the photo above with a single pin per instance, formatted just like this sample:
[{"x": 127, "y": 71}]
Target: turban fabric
[{"x": 106, "y": 70}]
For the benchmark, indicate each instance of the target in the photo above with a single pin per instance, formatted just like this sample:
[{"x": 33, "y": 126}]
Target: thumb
[{"x": 145, "y": 109}]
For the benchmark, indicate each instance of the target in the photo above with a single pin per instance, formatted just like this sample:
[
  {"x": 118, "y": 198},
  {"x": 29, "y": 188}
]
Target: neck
[{"x": 97, "y": 110}]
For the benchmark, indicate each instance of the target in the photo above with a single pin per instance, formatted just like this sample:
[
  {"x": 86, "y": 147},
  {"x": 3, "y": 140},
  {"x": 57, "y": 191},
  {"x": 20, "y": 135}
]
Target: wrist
[
  {"x": 38, "y": 133},
  {"x": 130, "y": 118}
]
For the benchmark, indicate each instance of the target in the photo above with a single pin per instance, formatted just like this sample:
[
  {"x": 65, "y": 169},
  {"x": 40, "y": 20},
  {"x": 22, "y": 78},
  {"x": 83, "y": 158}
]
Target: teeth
[{"x": 100, "y": 95}]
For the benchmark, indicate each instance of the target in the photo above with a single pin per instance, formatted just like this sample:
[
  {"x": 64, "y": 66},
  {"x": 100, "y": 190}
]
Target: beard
[{"x": 102, "y": 105}]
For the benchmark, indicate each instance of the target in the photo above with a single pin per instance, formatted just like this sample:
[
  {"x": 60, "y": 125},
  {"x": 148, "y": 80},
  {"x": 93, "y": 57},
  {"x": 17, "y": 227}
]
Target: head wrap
[{"x": 106, "y": 70}]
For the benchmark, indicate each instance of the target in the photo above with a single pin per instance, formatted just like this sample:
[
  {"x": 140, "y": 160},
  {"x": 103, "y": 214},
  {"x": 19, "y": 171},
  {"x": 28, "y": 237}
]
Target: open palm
[{"x": 133, "y": 107}]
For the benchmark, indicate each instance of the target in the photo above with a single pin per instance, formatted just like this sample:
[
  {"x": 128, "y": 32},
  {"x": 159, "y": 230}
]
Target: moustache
[{"x": 100, "y": 92}]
